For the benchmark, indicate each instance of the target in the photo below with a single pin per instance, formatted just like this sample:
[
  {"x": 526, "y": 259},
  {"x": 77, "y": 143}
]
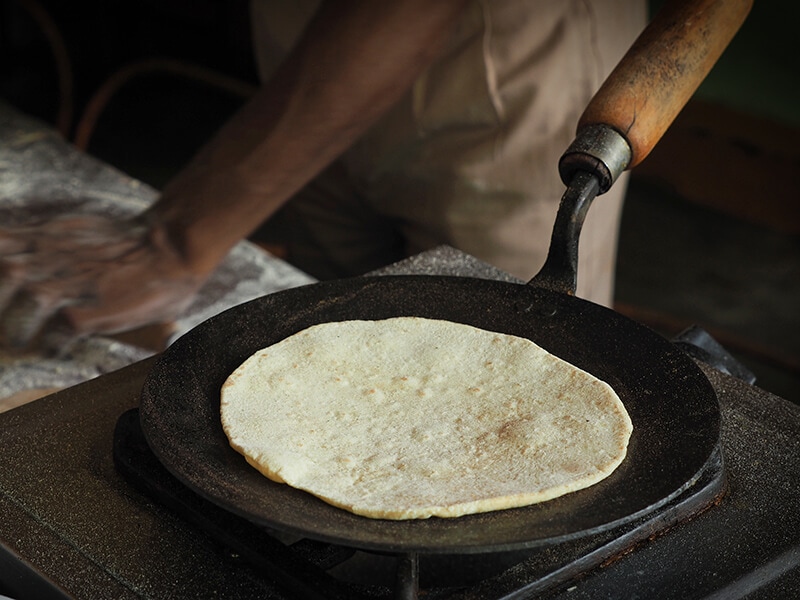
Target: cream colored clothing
[{"x": 469, "y": 156}]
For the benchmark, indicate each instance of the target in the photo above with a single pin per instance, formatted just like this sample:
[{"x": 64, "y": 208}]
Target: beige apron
[{"x": 469, "y": 156}]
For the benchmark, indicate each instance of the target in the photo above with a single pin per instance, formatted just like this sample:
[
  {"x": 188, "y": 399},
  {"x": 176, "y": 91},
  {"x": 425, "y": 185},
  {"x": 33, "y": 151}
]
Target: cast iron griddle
[{"x": 672, "y": 405}]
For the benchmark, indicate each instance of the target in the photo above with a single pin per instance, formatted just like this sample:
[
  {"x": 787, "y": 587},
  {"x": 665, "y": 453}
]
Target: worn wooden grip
[{"x": 663, "y": 68}]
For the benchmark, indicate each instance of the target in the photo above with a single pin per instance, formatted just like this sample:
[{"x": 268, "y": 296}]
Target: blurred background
[{"x": 711, "y": 228}]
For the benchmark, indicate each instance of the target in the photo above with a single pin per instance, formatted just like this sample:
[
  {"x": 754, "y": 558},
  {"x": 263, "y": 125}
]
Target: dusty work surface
[{"x": 41, "y": 175}]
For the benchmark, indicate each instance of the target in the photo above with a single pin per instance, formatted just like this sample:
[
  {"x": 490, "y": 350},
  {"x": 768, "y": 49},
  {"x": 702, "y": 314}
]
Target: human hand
[{"x": 89, "y": 274}]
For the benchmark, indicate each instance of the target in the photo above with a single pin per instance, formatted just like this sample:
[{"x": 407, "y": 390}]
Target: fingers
[
  {"x": 58, "y": 339},
  {"x": 22, "y": 314},
  {"x": 24, "y": 317},
  {"x": 94, "y": 274},
  {"x": 12, "y": 242},
  {"x": 8, "y": 289},
  {"x": 31, "y": 292},
  {"x": 10, "y": 284}
]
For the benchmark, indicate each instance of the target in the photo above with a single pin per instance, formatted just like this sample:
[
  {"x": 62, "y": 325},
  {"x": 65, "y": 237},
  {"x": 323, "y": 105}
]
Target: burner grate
[{"x": 310, "y": 569}]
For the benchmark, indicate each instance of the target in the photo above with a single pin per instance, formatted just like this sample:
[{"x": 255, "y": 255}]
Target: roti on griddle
[{"x": 408, "y": 418}]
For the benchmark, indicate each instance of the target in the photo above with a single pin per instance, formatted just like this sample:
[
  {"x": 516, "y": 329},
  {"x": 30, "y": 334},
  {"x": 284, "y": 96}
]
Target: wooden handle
[{"x": 663, "y": 68}]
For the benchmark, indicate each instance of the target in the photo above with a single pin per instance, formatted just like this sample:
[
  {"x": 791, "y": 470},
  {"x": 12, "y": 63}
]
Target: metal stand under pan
[{"x": 310, "y": 569}]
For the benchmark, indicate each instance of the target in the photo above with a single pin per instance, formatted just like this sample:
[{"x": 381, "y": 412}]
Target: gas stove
[{"x": 89, "y": 513}]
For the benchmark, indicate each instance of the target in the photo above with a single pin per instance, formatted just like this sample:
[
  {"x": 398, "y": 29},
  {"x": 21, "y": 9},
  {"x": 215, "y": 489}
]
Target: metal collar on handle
[{"x": 597, "y": 149}]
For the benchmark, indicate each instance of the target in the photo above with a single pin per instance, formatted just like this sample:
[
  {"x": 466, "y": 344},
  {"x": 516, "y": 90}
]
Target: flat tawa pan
[{"x": 671, "y": 403}]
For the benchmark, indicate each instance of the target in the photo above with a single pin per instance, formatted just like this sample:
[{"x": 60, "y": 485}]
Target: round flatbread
[{"x": 408, "y": 418}]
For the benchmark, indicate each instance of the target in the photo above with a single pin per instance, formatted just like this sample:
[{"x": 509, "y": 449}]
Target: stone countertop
[{"x": 42, "y": 175}]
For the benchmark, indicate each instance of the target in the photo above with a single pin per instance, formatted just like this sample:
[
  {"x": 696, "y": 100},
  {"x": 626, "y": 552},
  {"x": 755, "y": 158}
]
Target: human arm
[{"x": 355, "y": 60}]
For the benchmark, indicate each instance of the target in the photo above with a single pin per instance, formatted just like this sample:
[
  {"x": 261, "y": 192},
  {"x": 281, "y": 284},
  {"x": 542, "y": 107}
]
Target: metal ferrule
[{"x": 597, "y": 149}]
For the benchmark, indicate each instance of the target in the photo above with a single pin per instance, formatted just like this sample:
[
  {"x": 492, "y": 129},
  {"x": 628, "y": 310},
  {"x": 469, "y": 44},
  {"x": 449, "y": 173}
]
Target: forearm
[{"x": 355, "y": 60}]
